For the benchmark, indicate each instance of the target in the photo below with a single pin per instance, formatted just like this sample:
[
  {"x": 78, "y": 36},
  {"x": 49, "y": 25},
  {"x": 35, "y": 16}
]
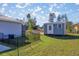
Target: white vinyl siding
[
  {"x": 49, "y": 29},
  {"x": 57, "y": 26}
]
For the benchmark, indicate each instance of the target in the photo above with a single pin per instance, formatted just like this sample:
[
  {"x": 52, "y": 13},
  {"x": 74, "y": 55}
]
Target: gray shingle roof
[{"x": 10, "y": 19}]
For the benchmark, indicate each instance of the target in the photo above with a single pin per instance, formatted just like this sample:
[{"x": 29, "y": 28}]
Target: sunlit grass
[{"x": 49, "y": 46}]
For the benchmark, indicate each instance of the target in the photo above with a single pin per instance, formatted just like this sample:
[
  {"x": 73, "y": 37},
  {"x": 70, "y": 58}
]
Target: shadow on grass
[
  {"x": 16, "y": 46},
  {"x": 13, "y": 43},
  {"x": 64, "y": 37}
]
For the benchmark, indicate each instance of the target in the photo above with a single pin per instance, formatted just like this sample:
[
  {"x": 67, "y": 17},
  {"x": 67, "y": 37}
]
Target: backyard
[{"x": 49, "y": 46}]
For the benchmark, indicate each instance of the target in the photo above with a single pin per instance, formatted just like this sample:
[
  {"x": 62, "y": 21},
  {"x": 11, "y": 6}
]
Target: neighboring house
[
  {"x": 10, "y": 28},
  {"x": 75, "y": 28},
  {"x": 55, "y": 28}
]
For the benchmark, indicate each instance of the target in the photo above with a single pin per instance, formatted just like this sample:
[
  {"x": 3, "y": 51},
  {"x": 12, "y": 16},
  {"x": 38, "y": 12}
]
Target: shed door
[{"x": 50, "y": 29}]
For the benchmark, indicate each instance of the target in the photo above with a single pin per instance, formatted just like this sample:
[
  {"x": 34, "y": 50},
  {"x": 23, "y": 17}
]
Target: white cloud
[
  {"x": 44, "y": 18},
  {"x": 77, "y": 9},
  {"x": 34, "y": 13},
  {"x": 56, "y": 13},
  {"x": 21, "y": 14},
  {"x": 54, "y": 5},
  {"x": 62, "y": 4},
  {"x": 70, "y": 10},
  {"x": 8, "y": 15},
  {"x": 2, "y": 11},
  {"x": 50, "y": 9},
  {"x": 58, "y": 7},
  {"x": 38, "y": 9},
  {"x": 10, "y": 11},
  {"x": 77, "y": 3},
  {"x": 5, "y": 4},
  {"x": 22, "y": 5},
  {"x": 41, "y": 20},
  {"x": 30, "y": 10},
  {"x": 23, "y": 11},
  {"x": 42, "y": 12}
]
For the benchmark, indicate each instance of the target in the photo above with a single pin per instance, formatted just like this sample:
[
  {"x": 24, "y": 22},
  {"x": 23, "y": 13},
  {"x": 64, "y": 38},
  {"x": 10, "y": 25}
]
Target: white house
[
  {"x": 55, "y": 27},
  {"x": 10, "y": 27}
]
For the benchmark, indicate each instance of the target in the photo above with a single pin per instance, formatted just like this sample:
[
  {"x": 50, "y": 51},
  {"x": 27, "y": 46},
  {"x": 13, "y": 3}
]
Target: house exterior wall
[
  {"x": 7, "y": 28},
  {"x": 75, "y": 28}
]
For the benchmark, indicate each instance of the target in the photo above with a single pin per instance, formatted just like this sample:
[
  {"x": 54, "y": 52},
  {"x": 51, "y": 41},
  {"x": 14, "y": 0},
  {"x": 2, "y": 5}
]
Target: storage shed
[{"x": 55, "y": 27}]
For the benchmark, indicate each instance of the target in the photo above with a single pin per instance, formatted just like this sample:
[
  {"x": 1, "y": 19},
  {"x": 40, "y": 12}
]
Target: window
[
  {"x": 59, "y": 25},
  {"x": 50, "y": 28},
  {"x": 55, "y": 25}
]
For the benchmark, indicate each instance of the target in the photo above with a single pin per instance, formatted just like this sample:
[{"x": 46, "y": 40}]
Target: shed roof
[{"x": 57, "y": 22}]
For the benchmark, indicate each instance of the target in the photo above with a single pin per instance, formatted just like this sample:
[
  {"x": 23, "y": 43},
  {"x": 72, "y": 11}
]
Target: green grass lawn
[{"x": 49, "y": 46}]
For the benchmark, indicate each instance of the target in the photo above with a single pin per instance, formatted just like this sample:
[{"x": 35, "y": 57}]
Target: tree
[
  {"x": 59, "y": 18},
  {"x": 28, "y": 16},
  {"x": 31, "y": 26},
  {"x": 68, "y": 24},
  {"x": 31, "y": 22},
  {"x": 31, "y": 33},
  {"x": 66, "y": 18}
]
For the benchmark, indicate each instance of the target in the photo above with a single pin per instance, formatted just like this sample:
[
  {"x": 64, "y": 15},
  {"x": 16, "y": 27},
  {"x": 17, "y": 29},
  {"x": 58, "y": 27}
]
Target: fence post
[{"x": 17, "y": 47}]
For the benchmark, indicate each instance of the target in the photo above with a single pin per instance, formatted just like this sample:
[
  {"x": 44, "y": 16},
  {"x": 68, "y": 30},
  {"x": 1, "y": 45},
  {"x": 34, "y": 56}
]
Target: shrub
[{"x": 32, "y": 35}]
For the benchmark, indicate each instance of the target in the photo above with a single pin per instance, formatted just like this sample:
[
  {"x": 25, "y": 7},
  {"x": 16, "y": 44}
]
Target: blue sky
[{"x": 40, "y": 10}]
